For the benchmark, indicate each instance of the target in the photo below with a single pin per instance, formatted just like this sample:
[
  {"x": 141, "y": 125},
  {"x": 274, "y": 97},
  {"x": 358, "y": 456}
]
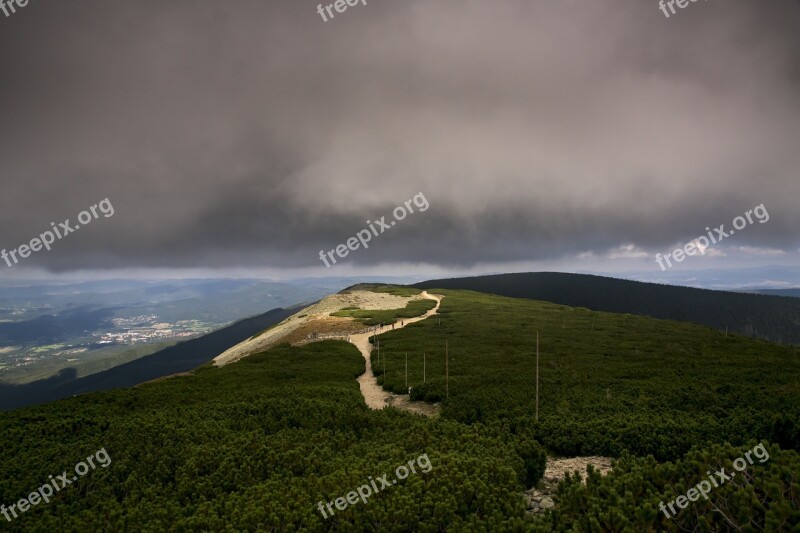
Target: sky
[{"x": 247, "y": 136}]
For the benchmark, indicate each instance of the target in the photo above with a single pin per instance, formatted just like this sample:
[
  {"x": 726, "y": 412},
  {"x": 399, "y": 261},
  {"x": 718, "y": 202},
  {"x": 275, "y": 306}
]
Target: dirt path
[{"x": 374, "y": 395}]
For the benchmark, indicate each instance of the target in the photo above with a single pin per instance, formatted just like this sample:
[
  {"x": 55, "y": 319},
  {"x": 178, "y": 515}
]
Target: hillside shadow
[{"x": 40, "y": 391}]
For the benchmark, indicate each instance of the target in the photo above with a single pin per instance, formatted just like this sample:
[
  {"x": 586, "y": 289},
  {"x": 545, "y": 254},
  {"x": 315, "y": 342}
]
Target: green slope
[
  {"x": 255, "y": 445},
  {"x": 608, "y": 382},
  {"x": 774, "y": 318}
]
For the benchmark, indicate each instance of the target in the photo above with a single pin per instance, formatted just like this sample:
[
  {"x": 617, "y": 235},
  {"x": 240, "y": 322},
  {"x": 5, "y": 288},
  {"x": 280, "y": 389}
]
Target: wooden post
[
  {"x": 446, "y": 374},
  {"x": 537, "y": 376}
]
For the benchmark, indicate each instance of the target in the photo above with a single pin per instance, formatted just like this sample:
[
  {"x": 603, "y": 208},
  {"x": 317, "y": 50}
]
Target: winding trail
[{"x": 374, "y": 395}]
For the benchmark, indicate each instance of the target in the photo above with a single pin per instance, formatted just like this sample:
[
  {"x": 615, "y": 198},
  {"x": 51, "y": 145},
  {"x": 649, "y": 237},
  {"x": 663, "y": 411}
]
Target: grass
[
  {"x": 397, "y": 290},
  {"x": 372, "y": 317},
  {"x": 608, "y": 382},
  {"x": 253, "y": 446}
]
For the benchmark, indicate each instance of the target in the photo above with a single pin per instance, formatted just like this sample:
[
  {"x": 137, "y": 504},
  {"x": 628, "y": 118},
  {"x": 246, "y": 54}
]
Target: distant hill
[
  {"x": 58, "y": 327},
  {"x": 792, "y": 293},
  {"x": 182, "y": 357},
  {"x": 775, "y": 318}
]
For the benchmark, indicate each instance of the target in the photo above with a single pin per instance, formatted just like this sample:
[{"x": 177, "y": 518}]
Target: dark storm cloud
[{"x": 253, "y": 133}]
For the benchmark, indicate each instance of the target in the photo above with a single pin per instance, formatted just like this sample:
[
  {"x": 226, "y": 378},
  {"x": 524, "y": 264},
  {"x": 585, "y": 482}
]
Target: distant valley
[{"x": 46, "y": 328}]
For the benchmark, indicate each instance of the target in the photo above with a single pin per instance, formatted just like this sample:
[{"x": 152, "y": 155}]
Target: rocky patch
[{"x": 544, "y": 497}]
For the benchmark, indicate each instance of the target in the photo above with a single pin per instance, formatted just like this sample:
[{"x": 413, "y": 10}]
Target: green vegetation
[
  {"x": 255, "y": 445},
  {"x": 397, "y": 290},
  {"x": 372, "y": 317},
  {"x": 628, "y": 498},
  {"x": 608, "y": 383},
  {"x": 773, "y": 318}
]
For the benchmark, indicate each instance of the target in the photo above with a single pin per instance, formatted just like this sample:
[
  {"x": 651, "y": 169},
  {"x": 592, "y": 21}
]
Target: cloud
[
  {"x": 258, "y": 135},
  {"x": 754, "y": 250},
  {"x": 628, "y": 251}
]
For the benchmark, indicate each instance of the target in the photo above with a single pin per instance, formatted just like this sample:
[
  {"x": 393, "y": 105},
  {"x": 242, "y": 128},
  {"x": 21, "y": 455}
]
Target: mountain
[
  {"x": 745, "y": 279},
  {"x": 182, "y": 357},
  {"x": 281, "y": 440},
  {"x": 770, "y": 317},
  {"x": 791, "y": 293}
]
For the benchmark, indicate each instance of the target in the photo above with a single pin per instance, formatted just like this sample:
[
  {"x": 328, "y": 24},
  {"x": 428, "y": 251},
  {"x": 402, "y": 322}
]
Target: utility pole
[
  {"x": 446, "y": 374},
  {"x": 537, "y": 376}
]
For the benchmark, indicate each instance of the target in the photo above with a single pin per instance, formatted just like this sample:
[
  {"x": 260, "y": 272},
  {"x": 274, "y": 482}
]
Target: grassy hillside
[
  {"x": 774, "y": 318},
  {"x": 255, "y": 445},
  {"x": 608, "y": 383}
]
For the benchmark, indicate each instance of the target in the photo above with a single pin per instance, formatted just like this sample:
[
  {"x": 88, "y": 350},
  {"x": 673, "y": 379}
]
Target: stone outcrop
[{"x": 543, "y": 497}]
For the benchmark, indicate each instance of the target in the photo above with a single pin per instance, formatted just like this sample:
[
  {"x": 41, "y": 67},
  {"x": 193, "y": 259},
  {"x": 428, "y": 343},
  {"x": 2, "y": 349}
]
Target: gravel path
[
  {"x": 374, "y": 395},
  {"x": 316, "y": 319}
]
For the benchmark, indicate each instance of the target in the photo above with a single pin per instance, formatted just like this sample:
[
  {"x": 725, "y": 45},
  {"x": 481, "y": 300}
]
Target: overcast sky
[{"x": 251, "y": 134}]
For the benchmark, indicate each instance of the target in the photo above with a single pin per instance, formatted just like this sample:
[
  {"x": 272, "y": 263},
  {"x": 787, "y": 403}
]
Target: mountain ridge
[{"x": 770, "y": 317}]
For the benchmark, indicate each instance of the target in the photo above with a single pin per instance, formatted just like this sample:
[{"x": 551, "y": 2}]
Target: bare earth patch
[
  {"x": 331, "y": 325},
  {"x": 401, "y": 401},
  {"x": 557, "y": 469},
  {"x": 543, "y": 498}
]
